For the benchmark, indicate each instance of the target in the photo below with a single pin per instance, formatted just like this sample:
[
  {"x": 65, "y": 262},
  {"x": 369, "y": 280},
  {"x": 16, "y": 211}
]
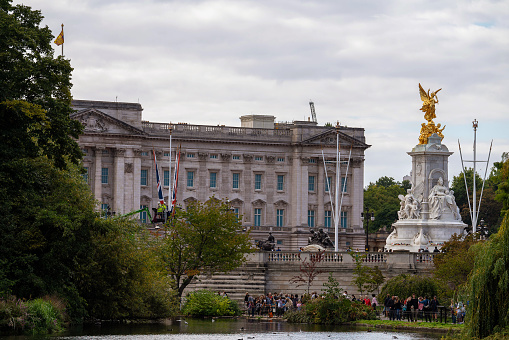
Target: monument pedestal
[
  {"x": 429, "y": 215},
  {"x": 413, "y": 235}
]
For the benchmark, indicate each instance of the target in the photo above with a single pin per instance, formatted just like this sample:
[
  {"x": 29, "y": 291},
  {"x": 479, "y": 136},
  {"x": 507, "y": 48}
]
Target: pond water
[{"x": 206, "y": 329}]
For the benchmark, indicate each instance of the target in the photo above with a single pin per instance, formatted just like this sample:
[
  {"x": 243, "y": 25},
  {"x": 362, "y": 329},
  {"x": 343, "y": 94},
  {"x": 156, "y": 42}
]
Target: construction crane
[{"x": 313, "y": 113}]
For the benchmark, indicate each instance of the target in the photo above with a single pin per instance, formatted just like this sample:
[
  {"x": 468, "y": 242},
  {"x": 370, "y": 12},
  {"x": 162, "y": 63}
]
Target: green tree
[
  {"x": 383, "y": 199},
  {"x": 366, "y": 279},
  {"x": 385, "y": 182},
  {"x": 488, "y": 310},
  {"x": 500, "y": 179},
  {"x": 454, "y": 264},
  {"x": 31, "y": 74},
  {"x": 122, "y": 276},
  {"x": 405, "y": 285},
  {"x": 490, "y": 208},
  {"x": 207, "y": 237}
]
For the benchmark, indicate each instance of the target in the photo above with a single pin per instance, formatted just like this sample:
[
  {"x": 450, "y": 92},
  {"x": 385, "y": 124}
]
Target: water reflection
[{"x": 206, "y": 329}]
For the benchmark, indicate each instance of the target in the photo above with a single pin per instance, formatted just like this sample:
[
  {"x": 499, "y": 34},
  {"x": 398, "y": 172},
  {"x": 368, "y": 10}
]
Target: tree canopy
[
  {"x": 204, "y": 238},
  {"x": 53, "y": 242},
  {"x": 35, "y": 94},
  {"x": 382, "y": 198}
]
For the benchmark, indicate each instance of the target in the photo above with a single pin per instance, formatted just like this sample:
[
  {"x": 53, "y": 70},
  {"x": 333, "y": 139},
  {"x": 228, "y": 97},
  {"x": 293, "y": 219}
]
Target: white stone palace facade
[{"x": 273, "y": 174}]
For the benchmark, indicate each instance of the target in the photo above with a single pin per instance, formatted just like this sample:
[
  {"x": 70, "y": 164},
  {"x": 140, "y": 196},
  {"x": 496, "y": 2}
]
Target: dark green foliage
[
  {"x": 488, "y": 311},
  {"x": 490, "y": 207},
  {"x": 207, "y": 237},
  {"x": 207, "y": 303},
  {"x": 30, "y": 73},
  {"x": 382, "y": 198},
  {"x": 122, "y": 275},
  {"x": 332, "y": 308},
  {"x": 405, "y": 285},
  {"x": 453, "y": 266},
  {"x": 44, "y": 317},
  {"x": 39, "y": 316},
  {"x": 330, "y": 311},
  {"x": 500, "y": 179},
  {"x": 47, "y": 216}
]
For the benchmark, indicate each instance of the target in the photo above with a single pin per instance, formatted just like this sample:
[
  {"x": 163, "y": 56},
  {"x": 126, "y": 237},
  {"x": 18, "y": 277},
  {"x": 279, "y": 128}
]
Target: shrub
[
  {"x": 207, "y": 303},
  {"x": 330, "y": 311},
  {"x": 37, "y": 316},
  {"x": 45, "y": 316},
  {"x": 13, "y": 314},
  {"x": 405, "y": 285}
]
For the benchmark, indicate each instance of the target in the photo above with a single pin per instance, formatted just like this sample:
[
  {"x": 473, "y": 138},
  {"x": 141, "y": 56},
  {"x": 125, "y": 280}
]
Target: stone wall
[{"x": 271, "y": 272}]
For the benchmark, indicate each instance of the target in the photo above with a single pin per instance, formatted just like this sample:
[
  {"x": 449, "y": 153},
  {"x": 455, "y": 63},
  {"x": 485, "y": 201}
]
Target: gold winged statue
[
  {"x": 428, "y": 107},
  {"x": 428, "y": 103}
]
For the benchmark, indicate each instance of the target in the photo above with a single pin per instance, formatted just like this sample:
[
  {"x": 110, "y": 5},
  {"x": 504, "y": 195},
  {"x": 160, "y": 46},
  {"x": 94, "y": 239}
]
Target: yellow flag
[{"x": 60, "y": 39}]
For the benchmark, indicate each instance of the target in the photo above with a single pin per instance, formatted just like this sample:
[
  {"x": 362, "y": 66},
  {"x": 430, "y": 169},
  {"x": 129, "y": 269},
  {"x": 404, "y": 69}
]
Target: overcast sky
[{"x": 209, "y": 62}]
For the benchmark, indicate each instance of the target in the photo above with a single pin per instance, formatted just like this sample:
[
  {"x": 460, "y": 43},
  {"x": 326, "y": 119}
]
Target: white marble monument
[{"x": 428, "y": 215}]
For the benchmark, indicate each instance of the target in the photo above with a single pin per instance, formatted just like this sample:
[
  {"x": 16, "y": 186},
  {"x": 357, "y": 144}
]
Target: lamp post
[{"x": 366, "y": 216}]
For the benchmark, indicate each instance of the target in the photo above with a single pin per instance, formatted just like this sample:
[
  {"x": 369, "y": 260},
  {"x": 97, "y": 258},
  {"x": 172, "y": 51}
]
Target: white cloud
[{"x": 208, "y": 62}]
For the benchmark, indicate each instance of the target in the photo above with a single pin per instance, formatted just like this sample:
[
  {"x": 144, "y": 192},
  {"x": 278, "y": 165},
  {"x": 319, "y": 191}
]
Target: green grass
[{"x": 406, "y": 325}]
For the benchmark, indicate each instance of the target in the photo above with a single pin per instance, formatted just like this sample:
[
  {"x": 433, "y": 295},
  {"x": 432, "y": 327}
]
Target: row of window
[
  {"x": 280, "y": 218},
  {"x": 280, "y": 184}
]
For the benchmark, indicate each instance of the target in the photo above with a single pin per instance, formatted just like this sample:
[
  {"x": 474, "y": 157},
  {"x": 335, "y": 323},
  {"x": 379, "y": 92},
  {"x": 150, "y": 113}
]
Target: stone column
[
  {"x": 299, "y": 214},
  {"x": 201, "y": 177},
  {"x": 319, "y": 190},
  {"x": 357, "y": 193},
  {"x": 119, "y": 182},
  {"x": 98, "y": 174},
  {"x": 137, "y": 179}
]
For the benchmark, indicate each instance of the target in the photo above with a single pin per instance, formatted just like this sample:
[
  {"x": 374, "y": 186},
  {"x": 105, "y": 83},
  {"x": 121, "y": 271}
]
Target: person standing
[
  {"x": 374, "y": 302},
  {"x": 434, "y": 308},
  {"x": 415, "y": 304}
]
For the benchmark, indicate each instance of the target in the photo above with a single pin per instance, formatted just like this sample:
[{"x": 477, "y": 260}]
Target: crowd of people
[
  {"x": 410, "y": 309},
  {"x": 271, "y": 304}
]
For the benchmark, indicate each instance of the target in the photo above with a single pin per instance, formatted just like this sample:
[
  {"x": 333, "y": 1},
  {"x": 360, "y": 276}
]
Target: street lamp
[{"x": 366, "y": 216}]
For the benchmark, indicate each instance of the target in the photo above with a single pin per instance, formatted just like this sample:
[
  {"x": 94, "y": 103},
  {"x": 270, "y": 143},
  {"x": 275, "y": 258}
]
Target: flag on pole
[
  {"x": 60, "y": 39},
  {"x": 159, "y": 187},
  {"x": 175, "y": 182}
]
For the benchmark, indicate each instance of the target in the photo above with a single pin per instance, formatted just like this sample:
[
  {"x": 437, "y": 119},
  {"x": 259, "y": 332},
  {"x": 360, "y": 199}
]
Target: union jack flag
[{"x": 159, "y": 187}]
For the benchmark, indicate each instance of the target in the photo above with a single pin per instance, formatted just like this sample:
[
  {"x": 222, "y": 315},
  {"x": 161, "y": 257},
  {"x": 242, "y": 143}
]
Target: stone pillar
[
  {"x": 129, "y": 204},
  {"x": 319, "y": 190},
  {"x": 98, "y": 174},
  {"x": 137, "y": 179},
  {"x": 357, "y": 193},
  {"x": 119, "y": 182},
  {"x": 299, "y": 215},
  {"x": 201, "y": 177}
]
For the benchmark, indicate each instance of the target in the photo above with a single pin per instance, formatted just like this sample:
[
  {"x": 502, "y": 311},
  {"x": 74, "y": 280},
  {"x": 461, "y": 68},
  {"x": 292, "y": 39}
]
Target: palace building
[{"x": 273, "y": 174}]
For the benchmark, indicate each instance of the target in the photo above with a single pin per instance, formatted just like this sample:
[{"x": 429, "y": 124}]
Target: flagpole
[{"x": 170, "y": 184}]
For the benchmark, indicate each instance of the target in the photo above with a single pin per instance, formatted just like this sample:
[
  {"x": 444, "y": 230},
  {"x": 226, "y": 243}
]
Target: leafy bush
[
  {"x": 45, "y": 316},
  {"x": 13, "y": 314},
  {"x": 405, "y": 285},
  {"x": 207, "y": 303},
  {"x": 36, "y": 316},
  {"x": 330, "y": 309}
]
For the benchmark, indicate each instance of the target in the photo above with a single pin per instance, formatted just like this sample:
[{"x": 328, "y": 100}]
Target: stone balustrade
[
  {"x": 403, "y": 259},
  {"x": 207, "y": 131}
]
